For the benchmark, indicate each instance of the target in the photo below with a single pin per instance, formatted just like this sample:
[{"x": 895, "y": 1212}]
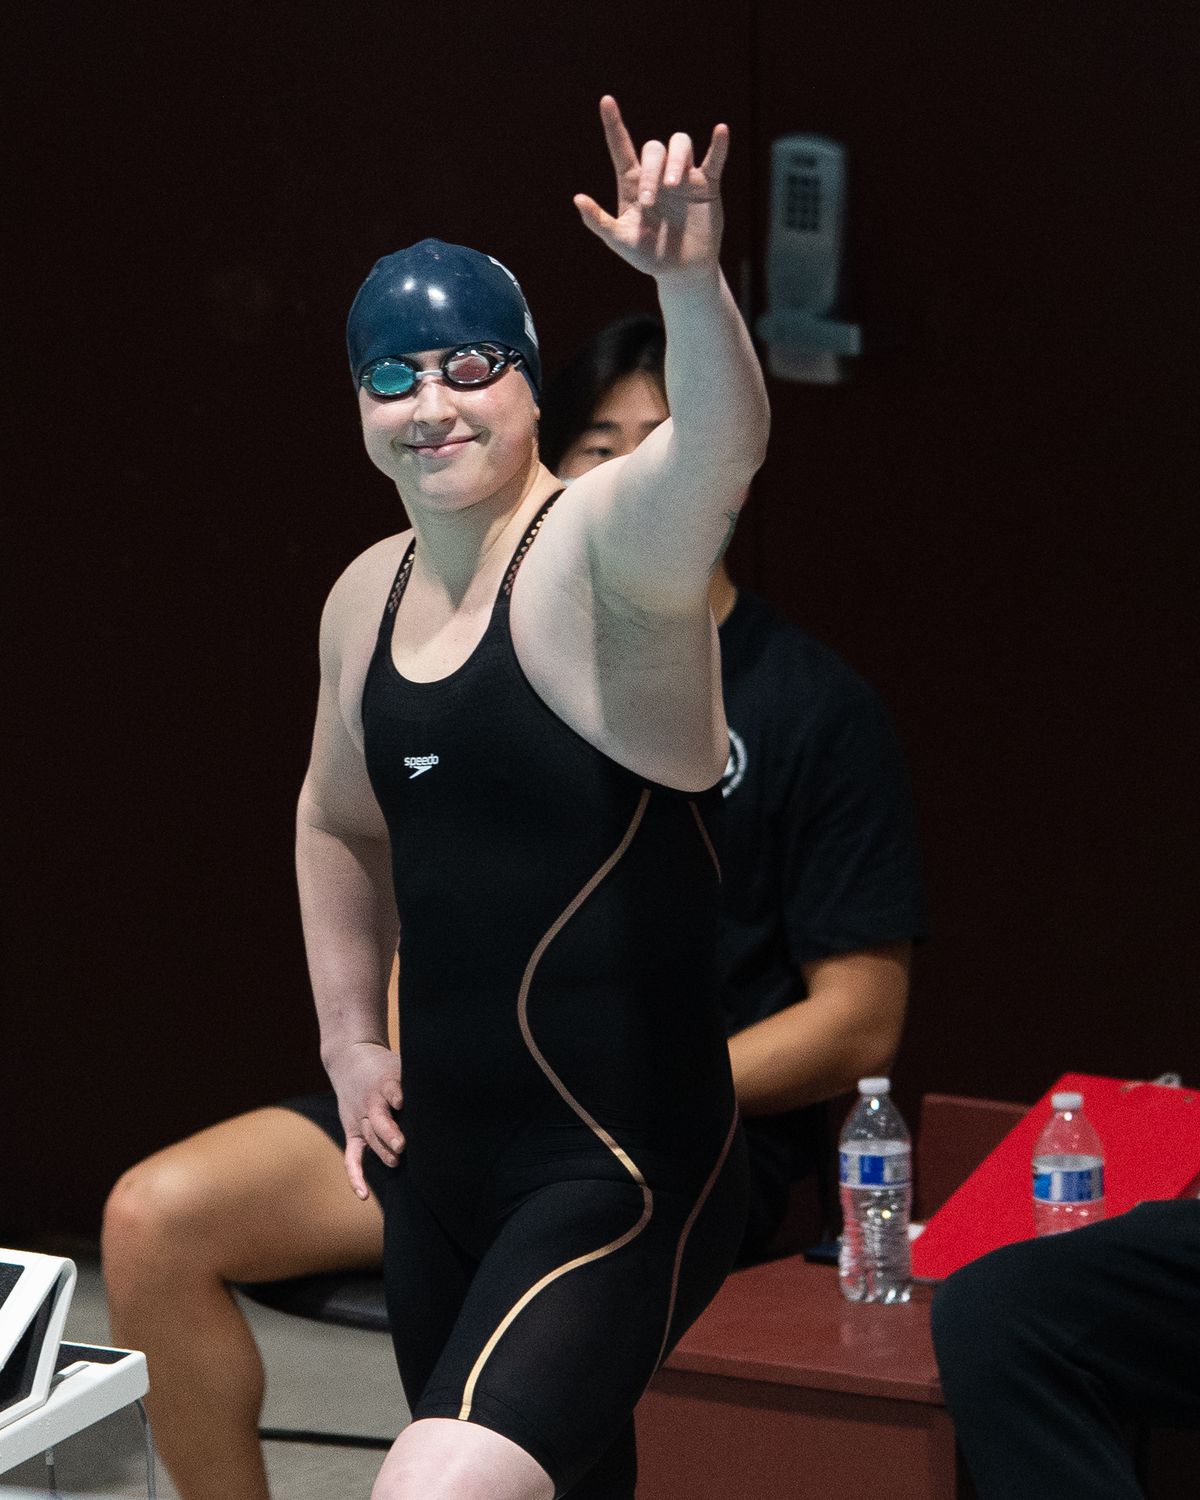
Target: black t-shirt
[{"x": 819, "y": 851}]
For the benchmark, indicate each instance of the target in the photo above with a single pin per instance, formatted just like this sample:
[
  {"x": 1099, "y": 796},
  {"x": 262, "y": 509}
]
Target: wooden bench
[{"x": 784, "y": 1389}]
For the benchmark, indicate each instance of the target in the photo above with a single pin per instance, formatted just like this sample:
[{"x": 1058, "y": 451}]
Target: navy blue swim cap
[{"x": 434, "y": 296}]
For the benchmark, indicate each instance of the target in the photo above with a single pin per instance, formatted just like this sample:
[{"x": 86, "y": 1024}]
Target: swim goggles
[{"x": 463, "y": 369}]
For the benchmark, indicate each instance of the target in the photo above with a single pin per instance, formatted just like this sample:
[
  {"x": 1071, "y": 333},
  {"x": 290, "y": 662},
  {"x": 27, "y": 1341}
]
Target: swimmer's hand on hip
[{"x": 366, "y": 1079}]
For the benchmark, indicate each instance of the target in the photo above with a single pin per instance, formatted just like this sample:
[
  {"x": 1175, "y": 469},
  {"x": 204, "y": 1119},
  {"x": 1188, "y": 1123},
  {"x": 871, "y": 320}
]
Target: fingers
[
  {"x": 718, "y": 150},
  {"x": 654, "y": 159},
  {"x": 679, "y": 160},
  {"x": 640, "y": 179},
  {"x": 354, "y": 1155},
  {"x": 593, "y": 215},
  {"x": 664, "y": 167},
  {"x": 380, "y": 1131},
  {"x": 620, "y": 146}
]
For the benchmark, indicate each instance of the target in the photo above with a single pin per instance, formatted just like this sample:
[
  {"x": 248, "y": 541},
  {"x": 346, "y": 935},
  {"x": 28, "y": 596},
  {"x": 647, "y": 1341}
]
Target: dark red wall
[
  {"x": 989, "y": 520},
  {"x": 993, "y": 522}
]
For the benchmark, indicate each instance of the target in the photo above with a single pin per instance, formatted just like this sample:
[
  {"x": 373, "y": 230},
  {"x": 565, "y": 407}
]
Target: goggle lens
[
  {"x": 472, "y": 366},
  {"x": 390, "y": 377},
  {"x": 464, "y": 368}
]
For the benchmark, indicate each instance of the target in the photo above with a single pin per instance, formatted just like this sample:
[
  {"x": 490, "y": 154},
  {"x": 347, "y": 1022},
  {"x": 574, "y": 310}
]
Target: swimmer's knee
[{"x": 438, "y": 1458}]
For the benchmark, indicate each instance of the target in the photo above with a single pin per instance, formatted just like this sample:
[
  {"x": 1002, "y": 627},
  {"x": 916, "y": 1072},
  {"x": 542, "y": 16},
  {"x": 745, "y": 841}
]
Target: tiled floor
[{"x": 319, "y": 1378}]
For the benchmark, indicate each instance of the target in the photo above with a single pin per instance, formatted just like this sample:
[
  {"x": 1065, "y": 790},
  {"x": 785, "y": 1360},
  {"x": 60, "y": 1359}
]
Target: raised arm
[
  {"x": 659, "y": 520},
  {"x": 346, "y": 903}
]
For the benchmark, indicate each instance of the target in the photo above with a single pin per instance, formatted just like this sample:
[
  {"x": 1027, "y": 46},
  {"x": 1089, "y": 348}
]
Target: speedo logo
[{"x": 419, "y": 764}]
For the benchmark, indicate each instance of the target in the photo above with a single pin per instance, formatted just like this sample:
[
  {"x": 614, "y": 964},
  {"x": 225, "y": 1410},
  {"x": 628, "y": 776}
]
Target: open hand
[
  {"x": 366, "y": 1078},
  {"x": 668, "y": 220}
]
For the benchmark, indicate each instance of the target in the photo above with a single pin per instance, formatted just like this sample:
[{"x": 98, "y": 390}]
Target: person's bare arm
[
  {"x": 848, "y": 1028},
  {"x": 657, "y": 521},
  {"x": 346, "y": 903}
]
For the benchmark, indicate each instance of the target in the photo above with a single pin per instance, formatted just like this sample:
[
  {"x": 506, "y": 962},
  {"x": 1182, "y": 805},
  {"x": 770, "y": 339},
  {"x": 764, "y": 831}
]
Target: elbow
[
  {"x": 308, "y": 811},
  {"x": 764, "y": 430},
  {"x": 730, "y": 454},
  {"x": 313, "y": 821},
  {"x": 759, "y": 427},
  {"x": 751, "y": 451},
  {"x": 875, "y": 1060},
  {"x": 877, "y": 1049},
  {"x": 754, "y": 449},
  {"x": 317, "y": 822},
  {"x": 869, "y": 1058},
  {"x": 760, "y": 452}
]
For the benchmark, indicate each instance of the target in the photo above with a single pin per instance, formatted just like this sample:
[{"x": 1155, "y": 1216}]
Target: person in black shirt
[
  {"x": 821, "y": 899},
  {"x": 821, "y": 902}
]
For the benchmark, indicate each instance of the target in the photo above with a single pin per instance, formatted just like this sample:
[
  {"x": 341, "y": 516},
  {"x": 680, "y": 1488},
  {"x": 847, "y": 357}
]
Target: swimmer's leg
[
  {"x": 567, "y": 1317},
  {"x": 428, "y": 1275},
  {"x": 586, "y": 1285},
  {"x": 438, "y": 1458},
  {"x": 612, "y": 1477},
  {"x": 540, "y": 1352}
]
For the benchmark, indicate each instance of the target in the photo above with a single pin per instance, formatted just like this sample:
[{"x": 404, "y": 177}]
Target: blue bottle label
[
  {"x": 861, "y": 1170},
  {"x": 1084, "y": 1185}
]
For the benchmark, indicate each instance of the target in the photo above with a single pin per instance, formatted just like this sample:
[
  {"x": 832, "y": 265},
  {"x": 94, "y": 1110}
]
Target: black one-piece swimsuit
[{"x": 573, "y": 1188}]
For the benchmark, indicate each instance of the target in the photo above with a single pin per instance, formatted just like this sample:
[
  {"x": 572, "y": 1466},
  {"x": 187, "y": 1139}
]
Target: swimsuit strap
[
  {"x": 400, "y": 583},
  {"x": 526, "y": 542},
  {"x": 404, "y": 571}
]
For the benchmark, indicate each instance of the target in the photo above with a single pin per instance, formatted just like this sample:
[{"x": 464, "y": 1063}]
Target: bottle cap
[
  {"x": 1066, "y": 1101},
  {"x": 869, "y": 1086}
]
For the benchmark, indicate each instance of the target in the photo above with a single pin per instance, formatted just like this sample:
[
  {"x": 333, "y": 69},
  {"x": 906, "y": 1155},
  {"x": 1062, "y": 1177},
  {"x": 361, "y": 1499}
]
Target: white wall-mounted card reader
[{"x": 804, "y": 257}]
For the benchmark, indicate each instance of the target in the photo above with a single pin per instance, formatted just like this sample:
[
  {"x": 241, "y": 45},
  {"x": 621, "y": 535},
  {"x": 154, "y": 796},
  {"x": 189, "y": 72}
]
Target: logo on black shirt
[{"x": 735, "y": 766}]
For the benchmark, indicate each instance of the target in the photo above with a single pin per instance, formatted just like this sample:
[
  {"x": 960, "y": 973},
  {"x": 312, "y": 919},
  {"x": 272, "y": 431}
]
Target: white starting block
[
  {"x": 50, "y": 1390},
  {"x": 35, "y": 1293}
]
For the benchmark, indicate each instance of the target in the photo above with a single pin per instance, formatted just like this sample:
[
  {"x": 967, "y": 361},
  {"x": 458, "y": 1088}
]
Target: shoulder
[
  {"x": 360, "y": 592},
  {"x": 369, "y": 569},
  {"x": 356, "y": 605}
]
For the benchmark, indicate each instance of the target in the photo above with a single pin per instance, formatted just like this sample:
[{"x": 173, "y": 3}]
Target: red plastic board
[{"x": 1151, "y": 1137}]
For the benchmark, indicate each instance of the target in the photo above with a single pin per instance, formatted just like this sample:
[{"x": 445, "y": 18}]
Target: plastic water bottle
[
  {"x": 1068, "y": 1169},
  {"x": 875, "y": 1170}
]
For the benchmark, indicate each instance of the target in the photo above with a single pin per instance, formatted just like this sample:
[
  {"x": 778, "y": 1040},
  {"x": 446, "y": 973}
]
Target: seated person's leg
[
  {"x": 256, "y": 1198},
  {"x": 1051, "y": 1349}
]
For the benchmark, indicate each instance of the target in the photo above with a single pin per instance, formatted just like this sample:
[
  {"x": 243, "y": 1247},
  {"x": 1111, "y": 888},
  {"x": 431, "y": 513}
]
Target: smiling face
[
  {"x": 632, "y": 407},
  {"x": 447, "y": 449}
]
